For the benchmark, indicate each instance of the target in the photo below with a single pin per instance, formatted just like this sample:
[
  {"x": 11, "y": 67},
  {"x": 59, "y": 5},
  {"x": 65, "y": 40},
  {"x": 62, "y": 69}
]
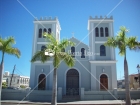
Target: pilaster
[
  {"x": 93, "y": 76},
  {"x": 35, "y": 39}
]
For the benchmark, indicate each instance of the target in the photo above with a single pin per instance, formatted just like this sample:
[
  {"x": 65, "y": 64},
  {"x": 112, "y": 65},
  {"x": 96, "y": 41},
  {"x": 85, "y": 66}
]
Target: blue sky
[{"x": 73, "y": 15}]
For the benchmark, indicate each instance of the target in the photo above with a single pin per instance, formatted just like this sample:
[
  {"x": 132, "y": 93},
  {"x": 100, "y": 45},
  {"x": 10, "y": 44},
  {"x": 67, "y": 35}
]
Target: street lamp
[
  {"x": 138, "y": 67},
  {"x": 49, "y": 53}
]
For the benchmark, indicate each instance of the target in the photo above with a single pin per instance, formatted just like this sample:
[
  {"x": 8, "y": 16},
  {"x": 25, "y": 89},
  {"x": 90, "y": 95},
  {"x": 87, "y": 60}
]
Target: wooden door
[{"x": 103, "y": 82}]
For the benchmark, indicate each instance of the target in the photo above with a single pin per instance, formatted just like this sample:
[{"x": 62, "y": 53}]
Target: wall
[
  {"x": 35, "y": 95},
  {"x": 108, "y": 95},
  {"x": 84, "y": 76},
  {"x": 38, "y": 95}
]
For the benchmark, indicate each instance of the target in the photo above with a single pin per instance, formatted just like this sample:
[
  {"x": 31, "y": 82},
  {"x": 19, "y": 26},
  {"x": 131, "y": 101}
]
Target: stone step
[{"x": 70, "y": 98}]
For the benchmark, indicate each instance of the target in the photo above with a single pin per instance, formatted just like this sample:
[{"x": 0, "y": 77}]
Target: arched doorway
[
  {"x": 42, "y": 82},
  {"x": 103, "y": 82},
  {"x": 72, "y": 82}
]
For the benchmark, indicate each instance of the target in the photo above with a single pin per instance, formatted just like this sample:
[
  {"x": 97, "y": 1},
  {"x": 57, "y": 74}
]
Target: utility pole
[
  {"x": 12, "y": 75},
  {"x": 138, "y": 67}
]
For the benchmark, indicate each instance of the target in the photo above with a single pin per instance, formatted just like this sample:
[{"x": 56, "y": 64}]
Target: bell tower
[
  {"x": 49, "y": 25},
  {"x": 100, "y": 28}
]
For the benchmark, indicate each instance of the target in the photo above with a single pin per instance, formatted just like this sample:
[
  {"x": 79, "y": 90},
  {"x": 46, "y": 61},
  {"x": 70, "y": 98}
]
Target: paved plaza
[{"x": 98, "y": 102}]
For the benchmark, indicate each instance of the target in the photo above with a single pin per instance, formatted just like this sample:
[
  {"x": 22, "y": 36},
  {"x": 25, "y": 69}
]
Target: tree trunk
[
  {"x": 1, "y": 76},
  {"x": 127, "y": 92},
  {"x": 54, "y": 91}
]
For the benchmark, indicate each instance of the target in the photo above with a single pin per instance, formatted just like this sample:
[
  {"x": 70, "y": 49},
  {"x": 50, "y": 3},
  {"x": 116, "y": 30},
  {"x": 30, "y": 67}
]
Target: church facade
[{"x": 95, "y": 64}]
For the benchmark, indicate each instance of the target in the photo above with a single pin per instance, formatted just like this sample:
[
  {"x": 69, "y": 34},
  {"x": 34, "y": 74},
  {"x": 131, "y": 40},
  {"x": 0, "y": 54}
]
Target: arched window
[
  {"x": 49, "y": 30},
  {"x": 102, "y": 50},
  {"x": 101, "y": 32},
  {"x": 45, "y": 30},
  {"x": 96, "y": 32},
  {"x": 82, "y": 53},
  {"x": 73, "y": 51},
  {"x": 106, "y": 32},
  {"x": 43, "y": 48},
  {"x": 40, "y": 33}
]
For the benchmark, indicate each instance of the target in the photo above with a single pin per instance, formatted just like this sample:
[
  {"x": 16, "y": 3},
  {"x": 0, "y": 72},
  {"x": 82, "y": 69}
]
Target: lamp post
[
  {"x": 49, "y": 53},
  {"x": 138, "y": 67}
]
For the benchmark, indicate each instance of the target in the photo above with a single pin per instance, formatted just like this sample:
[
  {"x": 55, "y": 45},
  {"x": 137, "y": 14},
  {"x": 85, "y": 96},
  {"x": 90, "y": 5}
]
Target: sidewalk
[{"x": 98, "y": 102}]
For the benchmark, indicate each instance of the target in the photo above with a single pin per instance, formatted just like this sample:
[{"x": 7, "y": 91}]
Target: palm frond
[
  {"x": 131, "y": 42},
  {"x": 13, "y": 51},
  {"x": 111, "y": 42},
  {"x": 7, "y": 46},
  {"x": 50, "y": 38},
  {"x": 9, "y": 41},
  {"x": 65, "y": 43},
  {"x": 68, "y": 59},
  {"x": 137, "y": 46},
  {"x": 40, "y": 55}
]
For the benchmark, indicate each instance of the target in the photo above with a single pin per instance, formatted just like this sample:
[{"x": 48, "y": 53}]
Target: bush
[
  {"x": 4, "y": 85},
  {"x": 22, "y": 86}
]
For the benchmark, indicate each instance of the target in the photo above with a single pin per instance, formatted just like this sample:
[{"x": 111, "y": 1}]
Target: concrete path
[{"x": 99, "y": 102}]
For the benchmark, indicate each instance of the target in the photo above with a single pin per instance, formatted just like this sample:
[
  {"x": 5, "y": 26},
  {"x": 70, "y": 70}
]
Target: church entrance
[
  {"x": 72, "y": 82},
  {"x": 42, "y": 82},
  {"x": 103, "y": 82}
]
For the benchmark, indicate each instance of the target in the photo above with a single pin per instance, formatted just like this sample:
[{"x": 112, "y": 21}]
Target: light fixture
[
  {"x": 51, "y": 54},
  {"x": 46, "y": 53},
  {"x": 103, "y": 70},
  {"x": 42, "y": 70}
]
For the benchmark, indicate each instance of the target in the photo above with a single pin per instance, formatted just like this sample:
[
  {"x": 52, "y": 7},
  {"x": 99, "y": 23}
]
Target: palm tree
[
  {"x": 7, "y": 47},
  {"x": 55, "y": 47},
  {"x": 122, "y": 42}
]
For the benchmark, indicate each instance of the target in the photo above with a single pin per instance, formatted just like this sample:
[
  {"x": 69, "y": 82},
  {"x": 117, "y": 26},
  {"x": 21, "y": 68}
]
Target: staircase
[{"x": 69, "y": 98}]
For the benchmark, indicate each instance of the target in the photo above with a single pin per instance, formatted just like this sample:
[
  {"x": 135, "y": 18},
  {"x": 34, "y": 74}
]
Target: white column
[
  {"x": 114, "y": 58},
  {"x": 93, "y": 76},
  {"x": 114, "y": 76},
  {"x": 93, "y": 42},
  {"x": 82, "y": 94},
  {"x": 111, "y": 34},
  {"x": 90, "y": 41},
  {"x": 35, "y": 36},
  {"x": 60, "y": 93},
  {"x": 54, "y": 29}
]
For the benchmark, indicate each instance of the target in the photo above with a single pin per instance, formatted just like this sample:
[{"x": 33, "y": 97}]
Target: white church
[{"x": 94, "y": 71}]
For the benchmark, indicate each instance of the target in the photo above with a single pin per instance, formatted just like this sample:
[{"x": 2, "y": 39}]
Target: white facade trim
[
  {"x": 102, "y": 61},
  {"x": 47, "y": 22},
  {"x": 44, "y": 62},
  {"x": 66, "y": 78},
  {"x": 93, "y": 41},
  {"x": 101, "y": 20},
  {"x": 107, "y": 78},
  {"x": 98, "y": 21},
  {"x": 34, "y": 39},
  {"x": 42, "y": 42},
  {"x": 100, "y": 42}
]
